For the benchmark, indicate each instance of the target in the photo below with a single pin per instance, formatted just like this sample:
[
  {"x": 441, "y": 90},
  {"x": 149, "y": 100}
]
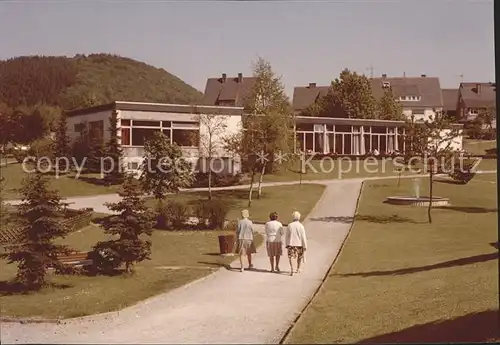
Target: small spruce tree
[
  {"x": 40, "y": 217},
  {"x": 114, "y": 155},
  {"x": 134, "y": 219},
  {"x": 96, "y": 151}
]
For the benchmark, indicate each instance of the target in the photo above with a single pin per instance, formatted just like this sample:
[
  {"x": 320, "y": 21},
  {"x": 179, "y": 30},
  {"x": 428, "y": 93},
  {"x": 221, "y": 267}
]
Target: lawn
[
  {"x": 177, "y": 258},
  {"x": 355, "y": 168},
  {"x": 480, "y": 147},
  {"x": 402, "y": 280},
  {"x": 281, "y": 199},
  {"x": 67, "y": 185},
  {"x": 90, "y": 184}
]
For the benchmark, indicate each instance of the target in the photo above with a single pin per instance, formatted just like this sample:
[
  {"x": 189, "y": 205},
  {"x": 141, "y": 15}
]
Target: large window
[
  {"x": 186, "y": 137},
  {"x": 96, "y": 129},
  {"x": 304, "y": 127},
  {"x": 125, "y": 136},
  {"x": 347, "y": 144},
  {"x": 141, "y": 135},
  {"x": 309, "y": 141},
  {"x": 339, "y": 147}
]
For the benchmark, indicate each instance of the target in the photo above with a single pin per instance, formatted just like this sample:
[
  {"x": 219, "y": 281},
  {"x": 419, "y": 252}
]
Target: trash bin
[{"x": 226, "y": 243}]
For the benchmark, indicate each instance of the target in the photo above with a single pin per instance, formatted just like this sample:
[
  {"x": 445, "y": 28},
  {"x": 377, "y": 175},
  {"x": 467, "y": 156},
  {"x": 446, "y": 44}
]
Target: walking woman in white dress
[{"x": 274, "y": 233}]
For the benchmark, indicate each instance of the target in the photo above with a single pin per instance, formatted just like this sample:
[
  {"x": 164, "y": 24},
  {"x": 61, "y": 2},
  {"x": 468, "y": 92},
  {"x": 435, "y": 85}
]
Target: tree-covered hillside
[{"x": 80, "y": 81}]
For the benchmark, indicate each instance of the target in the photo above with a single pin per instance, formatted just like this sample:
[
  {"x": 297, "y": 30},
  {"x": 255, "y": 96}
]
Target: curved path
[{"x": 224, "y": 307}]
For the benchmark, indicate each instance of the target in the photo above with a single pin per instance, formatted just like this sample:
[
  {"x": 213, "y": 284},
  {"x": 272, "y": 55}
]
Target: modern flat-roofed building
[{"x": 138, "y": 121}]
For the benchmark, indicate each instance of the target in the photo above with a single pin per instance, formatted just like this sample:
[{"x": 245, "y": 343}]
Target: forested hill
[{"x": 59, "y": 82}]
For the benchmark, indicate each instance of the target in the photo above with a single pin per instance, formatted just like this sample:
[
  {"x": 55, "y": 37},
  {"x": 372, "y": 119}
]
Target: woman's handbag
[{"x": 252, "y": 248}]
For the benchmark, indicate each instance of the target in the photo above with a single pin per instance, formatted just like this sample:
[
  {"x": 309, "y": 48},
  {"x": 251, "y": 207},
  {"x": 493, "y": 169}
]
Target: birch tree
[
  {"x": 432, "y": 142},
  {"x": 268, "y": 127},
  {"x": 212, "y": 128}
]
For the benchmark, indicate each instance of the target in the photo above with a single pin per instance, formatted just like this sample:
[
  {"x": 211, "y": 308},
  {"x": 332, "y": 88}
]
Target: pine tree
[
  {"x": 96, "y": 151},
  {"x": 62, "y": 143},
  {"x": 114, "y": 155},
  {"x": 134, "y": 220},
  {"x": 40, "y": 215}
]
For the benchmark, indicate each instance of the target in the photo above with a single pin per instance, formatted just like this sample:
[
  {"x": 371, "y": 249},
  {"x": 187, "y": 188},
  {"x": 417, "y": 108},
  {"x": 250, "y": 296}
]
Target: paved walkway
[{"x": 225, "y": 307}]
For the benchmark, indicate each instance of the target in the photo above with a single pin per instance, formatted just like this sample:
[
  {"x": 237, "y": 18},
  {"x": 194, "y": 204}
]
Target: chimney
[
  {"x": 478, "y": 89},
  {"x": 311, "y": 85},
  {"x": 240, "y": 77},
  {"x": 384, "y": 75},
  {"x": 224, "y": 77},
  {"x": 423, "y": 75}
]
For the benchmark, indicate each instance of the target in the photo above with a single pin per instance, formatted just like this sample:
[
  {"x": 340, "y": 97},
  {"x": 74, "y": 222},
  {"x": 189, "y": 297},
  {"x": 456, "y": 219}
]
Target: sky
[{"x": 305, "y": 41}]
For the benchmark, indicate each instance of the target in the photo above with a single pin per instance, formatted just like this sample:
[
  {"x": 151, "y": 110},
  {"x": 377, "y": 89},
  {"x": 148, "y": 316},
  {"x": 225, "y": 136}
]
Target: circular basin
[{"x": 421, "y": 201}]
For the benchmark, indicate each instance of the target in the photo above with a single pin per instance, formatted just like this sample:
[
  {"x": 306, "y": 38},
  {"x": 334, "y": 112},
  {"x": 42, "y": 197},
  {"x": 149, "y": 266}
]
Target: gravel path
[{"x": 225, "y": 307}]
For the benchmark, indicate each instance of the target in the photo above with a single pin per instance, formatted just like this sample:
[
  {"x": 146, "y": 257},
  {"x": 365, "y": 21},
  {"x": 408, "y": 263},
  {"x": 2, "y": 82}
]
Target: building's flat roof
[{"x": 157, "y": 107}]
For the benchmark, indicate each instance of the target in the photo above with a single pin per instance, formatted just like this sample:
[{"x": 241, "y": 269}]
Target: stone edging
[{"x": 29, "y": 320}]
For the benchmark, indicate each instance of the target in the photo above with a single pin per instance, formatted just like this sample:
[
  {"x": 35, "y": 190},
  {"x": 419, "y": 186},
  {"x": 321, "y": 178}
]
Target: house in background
[
  {"x": 230, "y": 92},
  {"x": 420, "y": 96},
  {"x": 474, "y": 98},
  {"x": 304, "y": 96},
  {"x": 138, "y": 121},
  {"x": 450, "y": 102}
]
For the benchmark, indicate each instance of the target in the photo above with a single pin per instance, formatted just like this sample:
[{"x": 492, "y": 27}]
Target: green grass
[
  {"x": 67, "y": 185},
  {"x": 355, "y": 168},
  {"x": 195, "y": 252},
  {"x": 281, "y": 199},
  {"x": 89, "y": 184},
  {"x": 479, "y": 147},
  {"x": 400, "y": 279}
]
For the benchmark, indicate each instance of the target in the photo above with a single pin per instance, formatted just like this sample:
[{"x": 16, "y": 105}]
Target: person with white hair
[
  {"x": 244, "y": 239},
  {"x": 295, "y": 242}
]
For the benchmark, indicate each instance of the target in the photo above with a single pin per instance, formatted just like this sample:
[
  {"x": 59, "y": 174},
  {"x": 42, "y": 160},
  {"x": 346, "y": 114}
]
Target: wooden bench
[{"x": 76, "y": 259}]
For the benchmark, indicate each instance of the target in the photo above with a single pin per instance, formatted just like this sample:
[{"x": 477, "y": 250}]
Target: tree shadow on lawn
[
  {"x": 446, "y": 264},
  {"x": 367, "y": 218},
  {"x": 218, "y": 264},
  {"x": 453, "y": 182},
  {"x": 94, "y": 180},
  {"x": 475, "y": 327},
  {"x": 9, "y": 288},
  {"x": 468, "y": 209}
]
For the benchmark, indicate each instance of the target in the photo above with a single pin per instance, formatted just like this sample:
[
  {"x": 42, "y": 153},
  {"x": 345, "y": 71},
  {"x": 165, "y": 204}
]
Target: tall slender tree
[
  {"x": 113, "y": 166},
  {"x": 212, "y": 127},
  {"x": 432, "y": 141},
  {"x": 36, "y": 251},
  {"x": 268, "y": 128}
]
